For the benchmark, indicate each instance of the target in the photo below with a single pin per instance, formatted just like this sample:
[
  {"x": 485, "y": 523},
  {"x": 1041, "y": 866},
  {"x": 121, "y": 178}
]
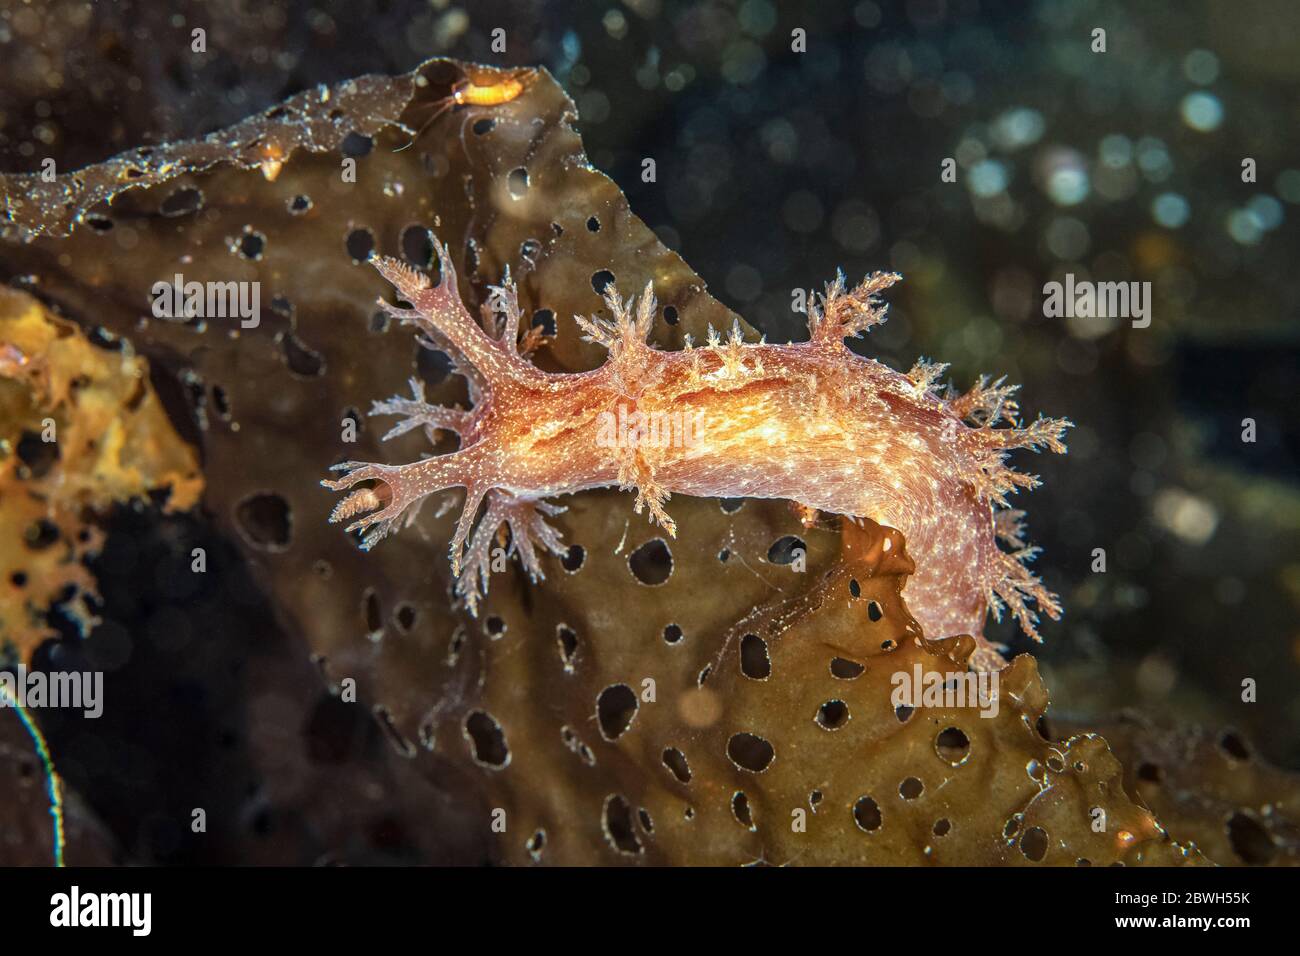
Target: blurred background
[{"x": 773, "y": 168}]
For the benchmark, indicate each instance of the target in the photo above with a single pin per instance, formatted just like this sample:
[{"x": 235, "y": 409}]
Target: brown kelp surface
[
  {"x": 1207, "y": 786},
  {"x": 750, "y": 720},
  {"x": 709, "y": 699}
]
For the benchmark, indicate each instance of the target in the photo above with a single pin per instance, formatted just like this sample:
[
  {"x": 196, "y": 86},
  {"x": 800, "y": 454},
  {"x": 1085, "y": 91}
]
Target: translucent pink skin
[{"x": 810, "y": 422}]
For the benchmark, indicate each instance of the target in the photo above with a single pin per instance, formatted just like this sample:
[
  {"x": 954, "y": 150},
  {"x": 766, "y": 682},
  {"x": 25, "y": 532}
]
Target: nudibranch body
[{"x": 811, "y": 422}]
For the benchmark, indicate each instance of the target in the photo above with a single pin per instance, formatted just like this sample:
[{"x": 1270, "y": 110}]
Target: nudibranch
[{"x": 810, "y": 421}]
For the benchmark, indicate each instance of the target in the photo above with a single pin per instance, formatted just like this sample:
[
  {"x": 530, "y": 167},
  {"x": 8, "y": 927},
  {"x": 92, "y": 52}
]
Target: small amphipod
[{"x": 467, "y": 92}]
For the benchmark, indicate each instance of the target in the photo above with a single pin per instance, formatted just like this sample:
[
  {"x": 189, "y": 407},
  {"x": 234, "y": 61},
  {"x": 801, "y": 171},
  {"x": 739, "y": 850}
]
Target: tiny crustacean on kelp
[{"x": 810, "y": 421}]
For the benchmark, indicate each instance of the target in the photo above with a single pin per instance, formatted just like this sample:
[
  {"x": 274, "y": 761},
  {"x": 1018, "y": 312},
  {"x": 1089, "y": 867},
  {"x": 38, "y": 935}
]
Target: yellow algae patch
[{"x": 80, "y": 429}]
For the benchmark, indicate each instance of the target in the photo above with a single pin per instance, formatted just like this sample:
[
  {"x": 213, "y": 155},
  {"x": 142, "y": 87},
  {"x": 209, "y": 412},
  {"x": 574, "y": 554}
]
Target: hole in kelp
[
  {"x": 844, "y": 669},
  {"x": 251, "y": 244},
  {"x": 866, "y": 814},
  {"x": 750, "y": 752},
  {"x": 372, "y": 613},
  {"x": 417, "y": 246},
  {"x": 265, "y": 520},
  {"x": 356, "y": 144},
  {"x": 616, "y": 822},
  {"x": 832, "y": 715},
  {"x": 952, "y": 745},
  {"x": 1234, "y": 745},
  {"x": 651, "y": 563},
  {"x": 616, "y": 708},
  {"x": 784, "y": 550},
  {"x": 755, "y": 662},
  {"x": 432, "y": 366},
  {"x": 544, "y": 319},
  {"x": 517, "y": 183},
  {"x": 303, "y": 361},
  {"x": 405, "y": 616},
  {"x": 1249, "y": 840},
  {"x": 487, "y": 740},
  {"x": 182, "y": 202},
  {"x": 911, "y": 788},
  {"x": 1034, "y": 844},
  {"x": 573, "y": 558},
  {"x": 740, "y": 810},
  {"x": 360, "y": 244},
  {"x": 536, "y": 845},
  {"x": 567, "y": 638},
  {"x": 675, "y": 761}
]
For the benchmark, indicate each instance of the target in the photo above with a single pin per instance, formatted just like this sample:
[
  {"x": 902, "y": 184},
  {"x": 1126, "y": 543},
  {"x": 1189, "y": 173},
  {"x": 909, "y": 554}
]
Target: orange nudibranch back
[{"x": 808, "y": 421}]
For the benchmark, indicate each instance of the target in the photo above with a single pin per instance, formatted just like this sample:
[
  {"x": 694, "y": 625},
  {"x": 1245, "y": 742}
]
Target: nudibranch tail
[{"x": 982, "y": 424}]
